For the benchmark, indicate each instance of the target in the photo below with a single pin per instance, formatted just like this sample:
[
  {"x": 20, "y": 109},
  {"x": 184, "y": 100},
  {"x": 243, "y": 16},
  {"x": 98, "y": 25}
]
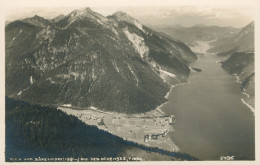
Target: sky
[{"x": 185, "y": 15}]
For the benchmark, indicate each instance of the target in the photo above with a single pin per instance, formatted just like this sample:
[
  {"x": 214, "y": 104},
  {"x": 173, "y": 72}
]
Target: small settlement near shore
[{"x": 150, "y": 129}]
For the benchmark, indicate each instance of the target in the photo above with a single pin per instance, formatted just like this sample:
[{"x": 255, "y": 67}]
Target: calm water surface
[{"x": 211, "y": 119}]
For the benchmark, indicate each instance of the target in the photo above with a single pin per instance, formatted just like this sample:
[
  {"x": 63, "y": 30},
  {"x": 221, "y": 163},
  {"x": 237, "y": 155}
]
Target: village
[{"x": 149, "y": 129}]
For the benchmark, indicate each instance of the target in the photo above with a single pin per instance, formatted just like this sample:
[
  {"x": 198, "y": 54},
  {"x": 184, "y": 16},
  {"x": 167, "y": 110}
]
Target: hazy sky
[{"x": 183, "y": 15}]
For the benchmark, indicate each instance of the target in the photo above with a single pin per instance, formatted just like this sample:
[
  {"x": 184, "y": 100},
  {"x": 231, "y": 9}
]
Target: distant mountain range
[
  {"x": 234, "y": 45},
  {"x": 241, "y": 41},
  {"x": 190, "y": 35},
  {"x": 85, "y": 59}
]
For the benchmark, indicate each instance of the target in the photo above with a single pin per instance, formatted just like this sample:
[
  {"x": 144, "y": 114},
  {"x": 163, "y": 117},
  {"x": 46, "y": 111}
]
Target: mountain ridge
[
  {"x": 241, "y": 41},
  {"x": 239, "y": 60},
  {"x": 86, "y": 59},
  {"x": 189, "y": 35}
]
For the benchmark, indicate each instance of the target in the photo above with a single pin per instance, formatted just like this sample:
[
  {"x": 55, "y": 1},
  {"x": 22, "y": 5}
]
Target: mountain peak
[
  {"x": 58, "y": 18},
  {"x": 82, "y": 12},
  {"x": 120, "y": 13},
  {"x": 37, "y": 21},
  {"x": 107, "y": 56},
  {"x": 251, "y": 24},
  {"x": 35, "y": 17},
  {"x": 122, "y": 16},
  {"x": 86, "y": 13},
  {"x": 249, "y": 28},
  {"x": 88, "y": 9}
]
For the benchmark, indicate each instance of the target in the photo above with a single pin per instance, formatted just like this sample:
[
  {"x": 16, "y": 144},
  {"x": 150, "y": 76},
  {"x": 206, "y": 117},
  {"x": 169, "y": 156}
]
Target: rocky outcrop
[{"x": 85, "y": 59}]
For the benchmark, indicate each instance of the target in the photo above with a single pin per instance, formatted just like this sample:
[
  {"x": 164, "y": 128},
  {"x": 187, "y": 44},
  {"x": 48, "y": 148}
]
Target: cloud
[
  {"x": 184, "y": 15},
  {"x": 190, "y": 15}
]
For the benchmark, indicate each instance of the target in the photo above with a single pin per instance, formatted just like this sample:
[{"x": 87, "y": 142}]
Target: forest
[{"x": 34, "y": 131}]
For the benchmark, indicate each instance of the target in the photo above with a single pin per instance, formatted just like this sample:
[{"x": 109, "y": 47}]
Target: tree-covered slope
[{"x": 34, "y": 131}]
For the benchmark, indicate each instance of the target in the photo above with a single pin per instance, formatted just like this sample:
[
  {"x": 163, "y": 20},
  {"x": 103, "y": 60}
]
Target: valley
[
  {"x": 173, "y": 93},
  {"x": 149, "y": 129},
  {"x": 202, "y": 115}
]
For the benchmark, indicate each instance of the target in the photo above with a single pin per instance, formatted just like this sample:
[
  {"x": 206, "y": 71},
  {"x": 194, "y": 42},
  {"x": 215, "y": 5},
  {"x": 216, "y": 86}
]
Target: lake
[{"x": 211, "y": 121}]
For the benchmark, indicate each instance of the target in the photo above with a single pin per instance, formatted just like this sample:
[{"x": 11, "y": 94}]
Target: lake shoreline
[
  {"x": 244, "y": 101},
  {"x": 195, "y": 110}
]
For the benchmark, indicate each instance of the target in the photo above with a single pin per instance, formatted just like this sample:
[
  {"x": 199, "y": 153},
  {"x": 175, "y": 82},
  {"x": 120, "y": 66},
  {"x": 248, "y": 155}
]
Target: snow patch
[
  {"x": 133, "y": 73},
  {"x": 20, "y": 93},
  {"x": 66, "y": 105},
  {"x": 192, "y": 70},
  {"x": 17, "y": 34},
  {"x": 76, "y": 75},
  {"x": 114, "y": 64},
  {"x": 162, "y": 73},
  {"x": 31, "y": 79},
  {"x": 93, "y": 75},
  {"x": 138, "y": 43},
  {"x": 167, "y": 73}
]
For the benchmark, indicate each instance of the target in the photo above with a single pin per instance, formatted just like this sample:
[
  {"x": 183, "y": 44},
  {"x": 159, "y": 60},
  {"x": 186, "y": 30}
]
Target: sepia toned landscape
[{"x": 135, "y": 84}]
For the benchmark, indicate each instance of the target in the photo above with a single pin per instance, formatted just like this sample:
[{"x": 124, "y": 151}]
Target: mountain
[
  {"x": 242, "y": 41},
  {"x": 58, "y": 18},
  {"x": 37, "y": 21},
  {"x": 113, "y": 63},
  {"x": 190, "y": 35},
  {"x": 7, "y": 22},
  {"x": 241, "y": 64},
  {"x": 239, "y": 59}
]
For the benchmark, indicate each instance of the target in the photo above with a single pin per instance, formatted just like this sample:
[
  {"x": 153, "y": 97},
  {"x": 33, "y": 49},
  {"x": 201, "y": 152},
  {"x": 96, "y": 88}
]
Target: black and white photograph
[{"x": 129, "y": 81}]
